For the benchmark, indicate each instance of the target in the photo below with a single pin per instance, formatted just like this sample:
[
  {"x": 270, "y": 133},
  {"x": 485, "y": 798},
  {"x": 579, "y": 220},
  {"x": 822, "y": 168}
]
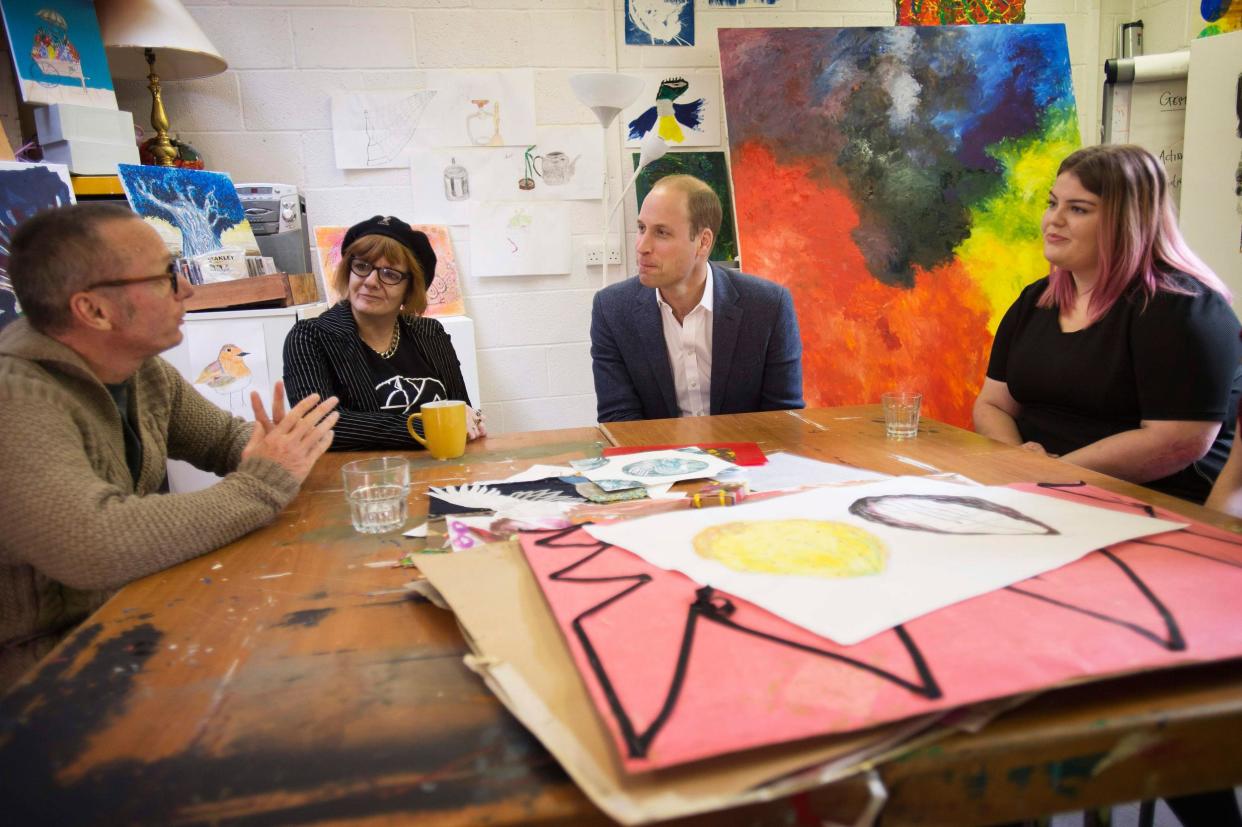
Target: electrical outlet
[{"x": 595, "y": 255}]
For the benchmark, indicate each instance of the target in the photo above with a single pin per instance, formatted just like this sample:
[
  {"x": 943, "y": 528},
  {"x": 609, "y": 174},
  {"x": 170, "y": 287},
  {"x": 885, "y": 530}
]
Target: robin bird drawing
[
  {"x": 667, "y": 116},
  {"x": 227, "y": 375}
]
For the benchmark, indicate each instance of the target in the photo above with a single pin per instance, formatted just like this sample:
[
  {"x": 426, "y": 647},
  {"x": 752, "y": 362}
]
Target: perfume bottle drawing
[
  {"x": 456, "y": 181},
  {"x": 483, "y": 125}
]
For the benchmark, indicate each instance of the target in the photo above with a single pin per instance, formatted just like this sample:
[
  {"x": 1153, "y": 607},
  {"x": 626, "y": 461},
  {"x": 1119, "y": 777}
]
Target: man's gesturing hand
[{"x": 295, "y": 439}]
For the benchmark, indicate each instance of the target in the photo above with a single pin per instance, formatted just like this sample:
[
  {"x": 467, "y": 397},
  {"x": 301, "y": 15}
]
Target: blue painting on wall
[
  {"x": 25, "y": 189},
  {"x": 58, "y": 52},
  {"x": 659, "y": 22},
  {"x": 194, "y": 211}
]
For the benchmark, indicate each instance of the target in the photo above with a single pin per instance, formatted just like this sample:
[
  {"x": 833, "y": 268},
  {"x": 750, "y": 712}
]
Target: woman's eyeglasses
[{"x": 363, "y": 268}]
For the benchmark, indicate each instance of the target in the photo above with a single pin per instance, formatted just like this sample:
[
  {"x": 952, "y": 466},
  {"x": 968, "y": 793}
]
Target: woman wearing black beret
[{"x": 374, "y": 350}]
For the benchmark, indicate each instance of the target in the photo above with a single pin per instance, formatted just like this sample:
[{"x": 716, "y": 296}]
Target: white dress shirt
[{"x": 689, "y": 346}]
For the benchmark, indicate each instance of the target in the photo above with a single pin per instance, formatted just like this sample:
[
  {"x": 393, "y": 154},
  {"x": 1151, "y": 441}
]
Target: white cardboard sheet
[
  {"x": 785, "y": 470},
  {"x": 924, "y": 570}
]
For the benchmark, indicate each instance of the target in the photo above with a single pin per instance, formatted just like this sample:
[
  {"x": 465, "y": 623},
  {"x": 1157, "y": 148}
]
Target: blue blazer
[{"x": 756, "y": 350}]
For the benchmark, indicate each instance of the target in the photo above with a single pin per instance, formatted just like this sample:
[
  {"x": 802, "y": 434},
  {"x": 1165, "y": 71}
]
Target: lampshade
[
  {"x": 129, "y": 27},
  {"x": 653, "y": 148},
  {"x": 606, "y": 93}
]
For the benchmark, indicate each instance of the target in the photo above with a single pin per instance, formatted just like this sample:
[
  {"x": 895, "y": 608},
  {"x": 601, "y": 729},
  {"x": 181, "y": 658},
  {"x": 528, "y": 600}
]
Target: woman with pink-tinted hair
[{"x": 1125, "y": 358}]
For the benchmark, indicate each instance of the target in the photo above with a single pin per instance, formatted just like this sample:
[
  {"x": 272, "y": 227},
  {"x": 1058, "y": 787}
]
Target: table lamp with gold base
[{"x": 138, "y": 32}]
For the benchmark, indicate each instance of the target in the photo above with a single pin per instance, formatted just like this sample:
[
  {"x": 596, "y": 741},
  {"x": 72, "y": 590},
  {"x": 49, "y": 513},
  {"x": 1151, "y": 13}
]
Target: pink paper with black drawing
[{"x": 679, "y": 673}]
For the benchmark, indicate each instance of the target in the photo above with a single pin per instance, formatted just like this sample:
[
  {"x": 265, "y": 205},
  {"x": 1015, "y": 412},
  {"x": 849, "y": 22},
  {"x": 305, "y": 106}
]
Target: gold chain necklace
[{"x": 392, "y": 346}]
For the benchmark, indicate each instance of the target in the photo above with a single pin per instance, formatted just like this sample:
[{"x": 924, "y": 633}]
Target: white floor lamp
[
  {"x": 606, "y": 94},
  {"x": 653, "y": 149}
]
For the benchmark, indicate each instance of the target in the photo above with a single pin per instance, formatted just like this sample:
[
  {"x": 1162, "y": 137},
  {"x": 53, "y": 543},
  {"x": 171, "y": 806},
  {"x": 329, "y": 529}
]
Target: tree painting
[{"x": 203, "y": 206}]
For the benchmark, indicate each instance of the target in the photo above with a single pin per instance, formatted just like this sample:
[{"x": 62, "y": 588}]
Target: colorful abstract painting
[
  {"x": 58, "y": 52},
  {"x": 709, "y": 167},
  {"x": 894, "y": 179},
  {"x": 25, "y": 189},
  {"x": 960, "y": 12},
  {"x": 444, "y": 296},
  {"x": 1220, "y": 16}
]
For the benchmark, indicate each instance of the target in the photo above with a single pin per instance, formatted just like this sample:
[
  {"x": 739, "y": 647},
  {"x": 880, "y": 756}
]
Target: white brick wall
[
  {"x": 267, "y": 118},
  {"x": 1168, "y": 25}
]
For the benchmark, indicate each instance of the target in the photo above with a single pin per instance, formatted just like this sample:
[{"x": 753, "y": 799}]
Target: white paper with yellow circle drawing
[{"x": 851, "y": 562}]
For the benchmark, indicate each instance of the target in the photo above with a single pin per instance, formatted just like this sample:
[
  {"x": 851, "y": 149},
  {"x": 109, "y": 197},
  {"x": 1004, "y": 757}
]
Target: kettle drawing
[{"x": 555, "y": 168}]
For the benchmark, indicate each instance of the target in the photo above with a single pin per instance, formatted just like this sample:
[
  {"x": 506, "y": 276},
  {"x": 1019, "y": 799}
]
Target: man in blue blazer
[{"x": 687, "y": 337}]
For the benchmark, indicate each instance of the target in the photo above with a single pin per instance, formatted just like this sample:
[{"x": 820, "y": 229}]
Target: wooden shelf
[{"x": 280, "y": 290}]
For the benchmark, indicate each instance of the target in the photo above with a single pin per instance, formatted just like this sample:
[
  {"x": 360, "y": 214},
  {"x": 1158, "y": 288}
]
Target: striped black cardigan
[{"x": 324, "y": 356}]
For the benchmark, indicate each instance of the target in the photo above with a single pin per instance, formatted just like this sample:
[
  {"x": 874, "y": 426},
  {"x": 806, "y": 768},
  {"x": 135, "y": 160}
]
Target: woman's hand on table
[
  {"x": 476, "y": 427},
  {"x": 1036, "y": 448}
]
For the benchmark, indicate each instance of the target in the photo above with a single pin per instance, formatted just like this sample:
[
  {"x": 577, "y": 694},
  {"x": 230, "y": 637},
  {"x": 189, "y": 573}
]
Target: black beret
[{"x": 415, "y": 241}]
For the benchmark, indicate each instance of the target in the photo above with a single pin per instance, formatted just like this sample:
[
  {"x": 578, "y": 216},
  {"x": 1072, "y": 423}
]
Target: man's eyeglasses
[
  {"x": 363, "y": 268},
  {"x": 170, "y": 275}
]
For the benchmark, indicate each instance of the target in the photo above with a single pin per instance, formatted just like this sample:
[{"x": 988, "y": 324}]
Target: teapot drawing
[{"x": 555, "y": 168}]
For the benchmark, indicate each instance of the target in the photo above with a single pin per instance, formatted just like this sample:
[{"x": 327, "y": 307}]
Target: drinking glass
[
  {"x": 378, "y": 491},
  {"x": 901, "y": 414}
]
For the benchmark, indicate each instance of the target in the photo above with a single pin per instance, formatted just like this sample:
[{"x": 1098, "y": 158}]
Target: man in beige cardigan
[{"x": 89, "y": 415}]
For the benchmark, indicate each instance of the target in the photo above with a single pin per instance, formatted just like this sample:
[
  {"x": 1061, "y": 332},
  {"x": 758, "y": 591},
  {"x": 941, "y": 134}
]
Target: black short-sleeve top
[{"x": 1174, "y": 356}]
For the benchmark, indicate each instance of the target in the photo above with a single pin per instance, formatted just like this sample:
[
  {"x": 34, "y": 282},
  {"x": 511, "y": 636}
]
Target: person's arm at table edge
[
  {"x": 1156, "y": 449},
  {"x": 996, "y": 411},
  {"x": 782, "y": 370},
  {"x": 1226, "y": 493},
  {"x": 616, "y": 398},
  {"x": 1183, "y": 391},
  {"x": 88, "y": 534}
]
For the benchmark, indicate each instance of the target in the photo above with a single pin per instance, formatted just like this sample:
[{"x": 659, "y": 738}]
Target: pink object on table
[{"x": 679, "y": 673}]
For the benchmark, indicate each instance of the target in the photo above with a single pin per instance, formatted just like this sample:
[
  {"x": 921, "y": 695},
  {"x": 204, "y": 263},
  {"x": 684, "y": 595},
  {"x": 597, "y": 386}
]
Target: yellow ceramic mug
[{"x": 444, "y": 423}]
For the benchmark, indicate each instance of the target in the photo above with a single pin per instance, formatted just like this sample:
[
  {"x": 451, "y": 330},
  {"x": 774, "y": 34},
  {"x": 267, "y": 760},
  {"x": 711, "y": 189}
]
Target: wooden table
[{"x": 292, "y": 677}]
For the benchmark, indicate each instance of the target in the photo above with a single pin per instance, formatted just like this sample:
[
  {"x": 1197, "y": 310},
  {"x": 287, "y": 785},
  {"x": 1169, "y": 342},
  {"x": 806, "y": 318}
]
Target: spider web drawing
[{"x": 390, "y": 130}]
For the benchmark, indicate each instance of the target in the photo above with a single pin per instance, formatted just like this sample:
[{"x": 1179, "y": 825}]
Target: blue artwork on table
[
  {"x": 58, "y": 52},
  {"x": 659, "y": 22},
  {"x": 195, "y": 211},
  {"x": 664, "y": 467},
  {"x": 25, "y": 189}
]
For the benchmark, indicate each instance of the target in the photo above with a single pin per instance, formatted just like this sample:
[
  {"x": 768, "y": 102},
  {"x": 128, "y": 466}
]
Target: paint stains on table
[{"x": 305, "y": 618}]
